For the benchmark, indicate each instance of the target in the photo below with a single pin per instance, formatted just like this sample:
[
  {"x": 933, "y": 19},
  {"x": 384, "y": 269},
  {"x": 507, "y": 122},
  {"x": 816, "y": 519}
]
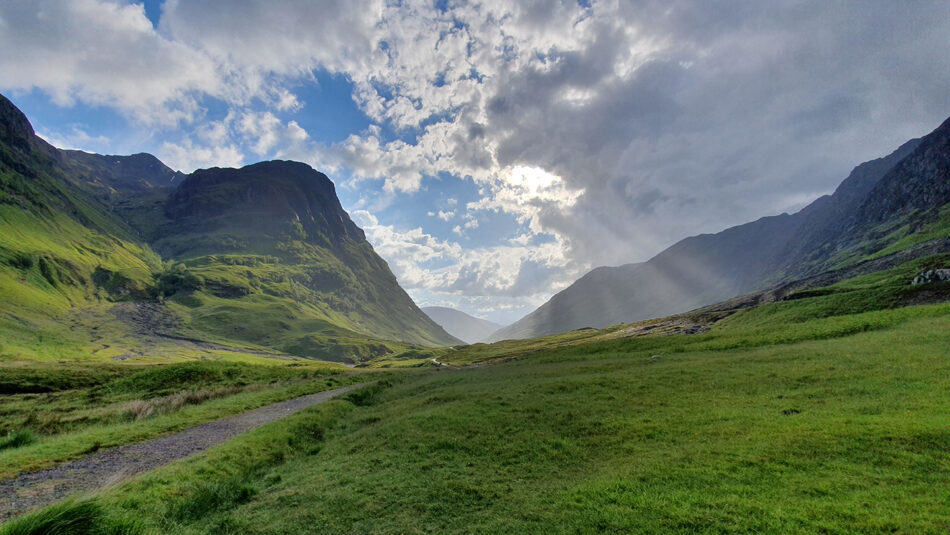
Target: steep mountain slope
[
  {"x": 52, "y": 225},
  {"x": 884, "y": 205},
  {"x": 270, "y": 257},
  {"x": 271, "y": 247},
  {"x": 61, "y": 249},
  {"x": 463, "y": 326}
]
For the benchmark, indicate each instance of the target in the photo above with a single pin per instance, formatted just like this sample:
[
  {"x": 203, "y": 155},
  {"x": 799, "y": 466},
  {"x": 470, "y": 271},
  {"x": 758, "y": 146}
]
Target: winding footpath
[{"x": 36, "y": 489}]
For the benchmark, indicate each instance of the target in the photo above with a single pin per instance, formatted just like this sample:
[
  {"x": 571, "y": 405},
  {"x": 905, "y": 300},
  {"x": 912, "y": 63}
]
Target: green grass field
[
  {"x": 70, "y": 410},
  {"x": 827, "y": 413}
]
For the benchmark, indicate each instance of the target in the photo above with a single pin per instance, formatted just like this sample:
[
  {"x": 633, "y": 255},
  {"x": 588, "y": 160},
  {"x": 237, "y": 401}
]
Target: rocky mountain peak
[
  {"x": 264, "y": 197},
  {"x": 15, "y": 128}
]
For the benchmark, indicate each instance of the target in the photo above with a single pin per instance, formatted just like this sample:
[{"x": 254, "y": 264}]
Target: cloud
[
  {"x": 607, "y": 129},
  {"x": 228, "y": 141},
  {"x": 424, "y": 263},
  {"x": 189, "y": 156},
  {"x": 76, "y": 138},
  {"x": 102, "y": 53},
  {"x": 657, "y": 121}
]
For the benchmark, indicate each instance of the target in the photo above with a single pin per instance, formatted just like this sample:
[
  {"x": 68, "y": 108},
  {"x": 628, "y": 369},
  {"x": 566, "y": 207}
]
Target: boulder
[{"x": 931, "y": 276}]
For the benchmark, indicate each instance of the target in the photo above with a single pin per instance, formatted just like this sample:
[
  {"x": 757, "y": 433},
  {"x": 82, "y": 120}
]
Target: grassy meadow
[
  {"x": 825, "y": 413},
  {"x": 50, "y": 413}
]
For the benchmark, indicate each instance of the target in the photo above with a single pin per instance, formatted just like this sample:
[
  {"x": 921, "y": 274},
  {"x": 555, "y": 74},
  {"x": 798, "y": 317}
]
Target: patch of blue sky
[
  {"x": 63, "y": 122},
  {"x": 410, "y": 210},
  {"x": 329, "y": 113},
  {"x": 153, "y": 10}
]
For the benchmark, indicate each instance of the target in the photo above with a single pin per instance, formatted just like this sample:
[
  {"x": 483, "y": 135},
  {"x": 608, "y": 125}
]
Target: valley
[
  {"x": 784, "y": 376},
  {"x": 838, "y": 414}
]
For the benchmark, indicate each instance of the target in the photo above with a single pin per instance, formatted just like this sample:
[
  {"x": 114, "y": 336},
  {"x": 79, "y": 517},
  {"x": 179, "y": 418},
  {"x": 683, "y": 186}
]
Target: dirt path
[{"x": 36, "y": 489}]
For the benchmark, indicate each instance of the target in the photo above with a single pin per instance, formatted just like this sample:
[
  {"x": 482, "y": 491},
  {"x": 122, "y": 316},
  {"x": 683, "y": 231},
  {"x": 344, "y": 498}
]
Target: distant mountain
[
  {"x": 264, "y": 254},
  {"x": 466, "y": 328},
  {"x": 884, "y": 206}
]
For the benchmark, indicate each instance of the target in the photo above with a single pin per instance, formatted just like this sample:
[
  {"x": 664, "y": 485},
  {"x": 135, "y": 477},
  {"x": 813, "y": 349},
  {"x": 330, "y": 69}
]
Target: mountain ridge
[{"x": 700, "y": 270}]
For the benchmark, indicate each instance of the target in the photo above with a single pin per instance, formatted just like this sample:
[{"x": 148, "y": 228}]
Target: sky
[{"x": 494, "y": 151}]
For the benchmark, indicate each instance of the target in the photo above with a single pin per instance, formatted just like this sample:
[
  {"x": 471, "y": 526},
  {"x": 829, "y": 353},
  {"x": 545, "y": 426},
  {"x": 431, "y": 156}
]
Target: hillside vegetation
[
  {"x": 119, "y": 257},
  {"x": 824, "y": 412}
]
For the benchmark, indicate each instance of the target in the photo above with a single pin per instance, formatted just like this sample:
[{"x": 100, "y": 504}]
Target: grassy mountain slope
[
  {"x": 60, "y": 247},
  {"x": 276, "y": 260},
  {"x": 461, "y": 325},
  {"x": 262, "y": 257},
  {"x": 884, "y": 206}
]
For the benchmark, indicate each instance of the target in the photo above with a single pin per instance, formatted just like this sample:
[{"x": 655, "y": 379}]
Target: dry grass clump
[{"x": 141, "y": 409}]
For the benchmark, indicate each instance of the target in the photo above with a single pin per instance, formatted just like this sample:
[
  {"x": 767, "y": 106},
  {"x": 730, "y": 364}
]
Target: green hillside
[
  {"x": 60, "y": 248},
  {"x": 117, "y": 257},
  {"x": 823, "y": 412},
  {"x": 277, "y": 261}
]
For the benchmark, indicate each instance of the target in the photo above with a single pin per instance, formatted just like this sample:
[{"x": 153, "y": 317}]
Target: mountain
[
  {"x": 893, "y": 204},
  {"x": 463, "y": 326},
  {"x": 59, "y": 243},
  {"x": 264, "y": 255},
  {"x": 274, "y": 237}
]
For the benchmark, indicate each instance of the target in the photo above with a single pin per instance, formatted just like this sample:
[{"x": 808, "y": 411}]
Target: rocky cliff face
[
  {"x": 831, "y": 216},
  {"x": 133, "y": 174},
  {"x": 919, "y": 182},
  {"x": 263, "y": 197}
]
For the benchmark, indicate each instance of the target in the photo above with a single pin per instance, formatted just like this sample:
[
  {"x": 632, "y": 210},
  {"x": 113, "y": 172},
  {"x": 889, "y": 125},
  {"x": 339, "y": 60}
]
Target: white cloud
[
  {"x": 102, "y": 53},
  {"x": 424, "y": 263},
  {"x": 187, "y": 156},
  {"x": 76, "y": 138}
]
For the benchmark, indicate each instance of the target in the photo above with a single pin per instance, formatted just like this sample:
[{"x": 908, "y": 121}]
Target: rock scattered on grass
[{"x": 931, "y": 276}]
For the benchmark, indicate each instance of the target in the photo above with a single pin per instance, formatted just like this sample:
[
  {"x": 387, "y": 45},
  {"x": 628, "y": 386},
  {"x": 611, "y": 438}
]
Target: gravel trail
[{"x": 35, "y": 489}]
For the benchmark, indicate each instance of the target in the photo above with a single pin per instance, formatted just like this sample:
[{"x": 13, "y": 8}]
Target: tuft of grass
[
  {"x": 41, "y": 377},
  {"x": 209, "y": 497},
  {"x": 368, "y": 396},
  {"x": 156, "y": 381},
  {"x": 141, "y": 409},
  {"x": 16, "y": 439},
  {"x": 71, "y": 518}
]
